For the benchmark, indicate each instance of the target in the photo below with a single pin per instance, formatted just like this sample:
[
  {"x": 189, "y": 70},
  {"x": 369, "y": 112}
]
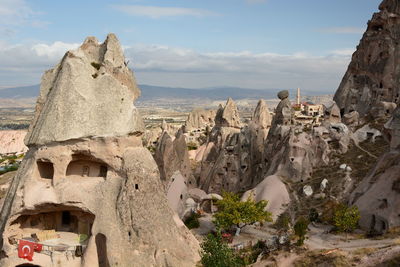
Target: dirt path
[{"x": 318, "y": 238}]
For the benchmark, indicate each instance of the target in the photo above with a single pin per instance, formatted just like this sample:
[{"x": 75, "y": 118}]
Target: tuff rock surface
[
  {"x": 172, "y": 155},
  {"x": 372, "y": 75},
  {"x": 231, "y": 158},
  {"x": 92, "y": 80},
  {"x": 86, "y": 172},
  {"x": 200, "y": 118}
]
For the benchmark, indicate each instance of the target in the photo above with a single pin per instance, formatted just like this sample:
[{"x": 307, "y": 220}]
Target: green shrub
[
  {"x": 313, "y": 215},
  {"x": 9, "y": 168},
  {"x": 233, "y": 211},
  {"x": 300, "y": 229},
  {"x": 216, "y": 253},
  {"x": 96, "y": 65},
  {"x": 191, "y": 146},
  {"x": 346, "y": 218},
  {"x": 282, "y": 222},
  {"x": 193, "y": 221}
]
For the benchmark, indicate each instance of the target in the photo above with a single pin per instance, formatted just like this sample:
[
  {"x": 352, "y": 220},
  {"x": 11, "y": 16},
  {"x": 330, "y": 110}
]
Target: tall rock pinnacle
[
  {"x": 228, "y": 116},
  {"x": 90, "y": 93},
  {"x": 87, "y": 183}
]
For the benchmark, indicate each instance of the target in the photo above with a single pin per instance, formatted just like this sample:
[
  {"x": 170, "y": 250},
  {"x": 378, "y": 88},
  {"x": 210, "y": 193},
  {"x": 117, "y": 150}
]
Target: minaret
[{"x": 298, "y": 97}]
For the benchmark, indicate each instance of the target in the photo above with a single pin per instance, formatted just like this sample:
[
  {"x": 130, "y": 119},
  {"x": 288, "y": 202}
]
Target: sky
[{"x": 256, "y": 44}]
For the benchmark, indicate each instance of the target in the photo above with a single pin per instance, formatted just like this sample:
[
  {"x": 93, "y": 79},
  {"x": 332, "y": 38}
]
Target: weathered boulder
[
  {"x": 332, "y": 114},
  {"x": 273, "y": 190},
  {"x": 383, "y": 109},
  {"x": 372, "y": 75},
  {"x": 95, "y": 179},
  {"x": 351, "y": 118},
  {"x": 366, "y": 132}
]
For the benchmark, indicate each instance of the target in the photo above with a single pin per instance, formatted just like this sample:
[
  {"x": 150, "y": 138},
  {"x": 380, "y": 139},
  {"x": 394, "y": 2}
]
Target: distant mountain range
[{"x": 150, "y": 92}]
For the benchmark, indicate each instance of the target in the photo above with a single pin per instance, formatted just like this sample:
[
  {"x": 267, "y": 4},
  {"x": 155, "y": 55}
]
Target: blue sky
[{"x": 192, "y": 43}]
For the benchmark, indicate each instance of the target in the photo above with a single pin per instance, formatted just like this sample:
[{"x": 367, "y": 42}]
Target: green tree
[
  {"x": 346, "y": 218},
  {"x": 216, "y": 253},
  {"x": 232, "y": 211},
  {"x": 300, "y": 229}
]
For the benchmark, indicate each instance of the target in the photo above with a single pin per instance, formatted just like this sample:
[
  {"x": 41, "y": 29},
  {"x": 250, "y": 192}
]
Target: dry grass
[
  {"x": 364, "y": 251},
  {"x": 322, "y": 258}
]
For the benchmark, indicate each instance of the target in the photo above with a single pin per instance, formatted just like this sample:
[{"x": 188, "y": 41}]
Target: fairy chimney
[{"x": 86, "y": 177}]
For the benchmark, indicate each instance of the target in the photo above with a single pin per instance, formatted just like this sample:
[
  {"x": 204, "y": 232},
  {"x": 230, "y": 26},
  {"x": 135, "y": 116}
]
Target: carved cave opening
[
  {"x": 53, "y": 225},
  {"x": 101, "y": 245},
  {"x": 86, "y": 166},
  {"x": 45, "y": 169}
]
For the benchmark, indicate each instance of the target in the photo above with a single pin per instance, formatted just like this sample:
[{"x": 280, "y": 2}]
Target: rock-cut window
[{"x": 46, "y": 169}]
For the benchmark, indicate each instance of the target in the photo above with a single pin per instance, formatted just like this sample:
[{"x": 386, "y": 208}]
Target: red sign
[{"x": 27, "y": 248}]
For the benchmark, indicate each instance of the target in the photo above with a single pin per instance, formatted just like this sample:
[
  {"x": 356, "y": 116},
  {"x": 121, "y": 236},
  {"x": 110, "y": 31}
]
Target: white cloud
[
  {"x": 344, "y": 52},
  {"x": 14, "y": 11},
  {"x": 53, "y": 51},
  {"x": 25, "y": 64},
  {"x": 342, "y": 30},
  {"x": 15, "y": 14},
  {"x": 159, "y": 12},
  {"x": 169, "y": 66},
  {"x": 172, "y": 66}
]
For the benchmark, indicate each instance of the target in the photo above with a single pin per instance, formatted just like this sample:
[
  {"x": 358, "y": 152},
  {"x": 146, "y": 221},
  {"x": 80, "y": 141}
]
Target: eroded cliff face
[
  {"x": 372, "y": 79},
  {"x": 86, "y": 174}
]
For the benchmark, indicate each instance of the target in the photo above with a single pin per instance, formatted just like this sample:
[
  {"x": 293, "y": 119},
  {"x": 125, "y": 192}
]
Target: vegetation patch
[
  {"x": 322, "y": 258},
  {"x": 96, "y": 65},
  {"x": 192, "y": 146},
  {"x": 193, "y": 221},
  {"x": 216, "y": 253},
  {"x": 234, "y": 212}
]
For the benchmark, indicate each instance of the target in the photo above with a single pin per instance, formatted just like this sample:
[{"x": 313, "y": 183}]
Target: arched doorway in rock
[
  {"x": 27, "y": 265},
  {"x": 101, "y": 245}
]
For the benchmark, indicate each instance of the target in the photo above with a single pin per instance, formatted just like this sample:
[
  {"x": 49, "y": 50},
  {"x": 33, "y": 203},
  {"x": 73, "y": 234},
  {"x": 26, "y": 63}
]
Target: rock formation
[
  {"x": 372, "y": 76},
  {"x": 86, "y": 175},
  {"x": 332, "y": 114},
  {"x": 232, "y": 159},
  {"x": 261, "y": 116},
  {"x": 258, "y": 129},
  {"x": 223, "y": 161},
  {"x": 228, "y": 116},
  {"x": 171, "y": 156},
  {"x": 377, "y": 196},
  {"x": 200, "y": 118},
  {"x": 284, "y": 111}
]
